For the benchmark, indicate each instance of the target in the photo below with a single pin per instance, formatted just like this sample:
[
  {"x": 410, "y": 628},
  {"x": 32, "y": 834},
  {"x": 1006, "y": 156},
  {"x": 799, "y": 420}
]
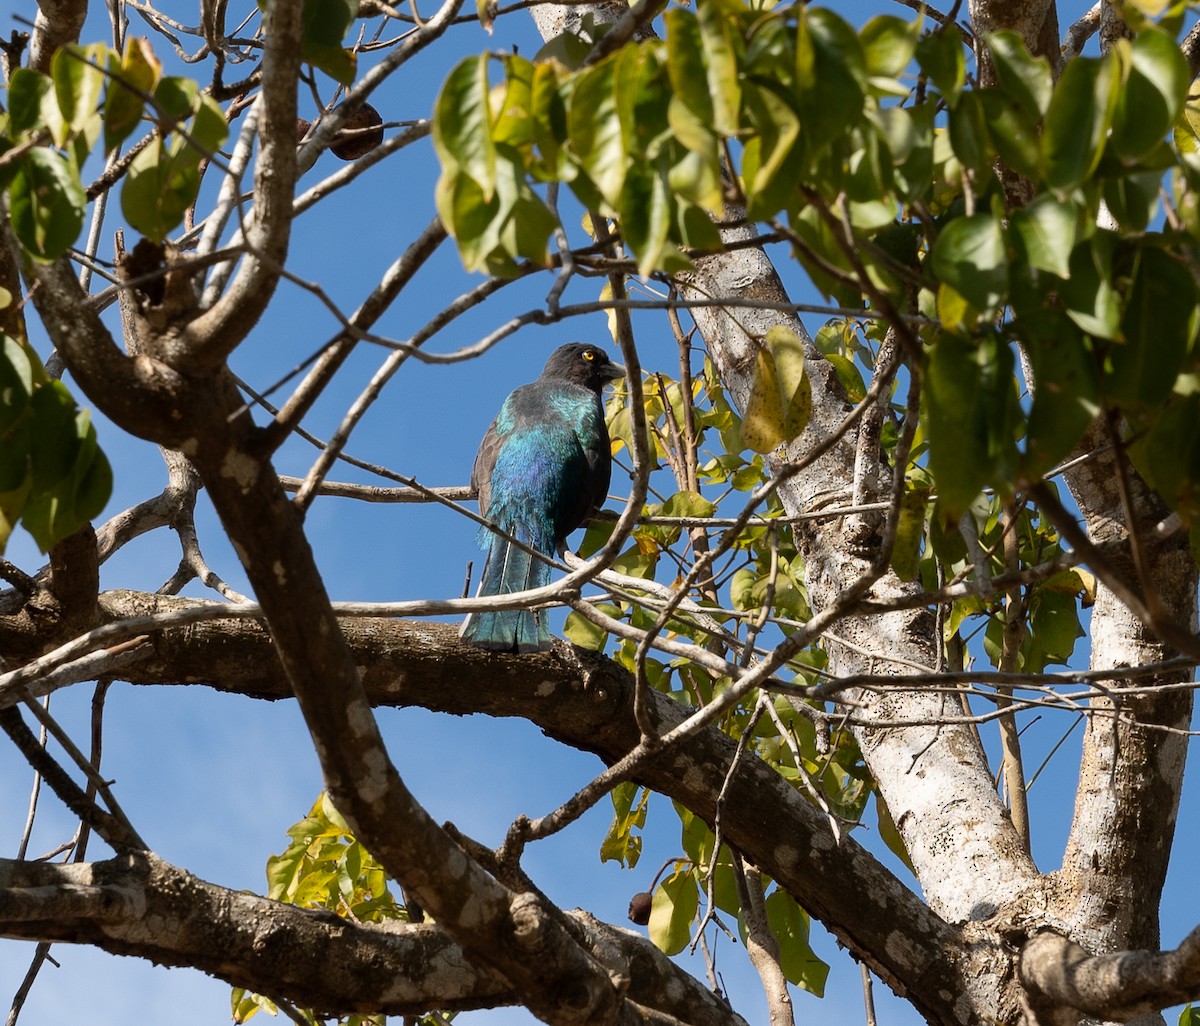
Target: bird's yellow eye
[{"x": 589, "y": 354}]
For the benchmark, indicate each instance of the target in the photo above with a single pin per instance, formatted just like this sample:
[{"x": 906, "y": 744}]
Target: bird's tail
[{"x": 509, "y": 568}]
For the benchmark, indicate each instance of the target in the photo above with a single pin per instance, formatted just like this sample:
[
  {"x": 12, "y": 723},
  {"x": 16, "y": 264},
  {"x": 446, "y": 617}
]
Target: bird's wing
[{"x": 485, "y": 461}]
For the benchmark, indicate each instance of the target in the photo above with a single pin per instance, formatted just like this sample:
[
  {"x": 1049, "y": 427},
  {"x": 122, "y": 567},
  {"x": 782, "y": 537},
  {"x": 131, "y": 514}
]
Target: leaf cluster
[
  {"x": 53, "y": 476},
  {"x": 896, "y": 197}
]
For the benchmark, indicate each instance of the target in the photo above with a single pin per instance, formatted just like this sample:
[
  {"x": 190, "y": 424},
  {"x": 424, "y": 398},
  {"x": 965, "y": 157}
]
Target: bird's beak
[{"x": 614, "y": 371}]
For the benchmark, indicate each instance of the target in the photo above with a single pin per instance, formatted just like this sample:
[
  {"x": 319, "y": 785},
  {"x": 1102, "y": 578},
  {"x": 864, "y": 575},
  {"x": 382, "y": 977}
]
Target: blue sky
[{"x": 213, "y": 781}]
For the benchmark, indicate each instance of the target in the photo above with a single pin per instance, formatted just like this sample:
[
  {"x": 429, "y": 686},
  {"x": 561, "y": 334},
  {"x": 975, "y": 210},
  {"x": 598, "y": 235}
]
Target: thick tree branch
[
  {"x": 1130, "y": 777},
  {"x": 141, "y": 393},
  {"x": 913, "y": 766},
  {"x": 1064, "y": 983},
  {"x": 587, "y": 702},
  {"x": 58, "y": 24},
  {"x": 139, "y": 905},
  {"x": 215, "y": 334}
]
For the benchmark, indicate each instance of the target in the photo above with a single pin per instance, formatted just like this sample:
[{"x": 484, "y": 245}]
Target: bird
[{"x": 541, "y": 470}]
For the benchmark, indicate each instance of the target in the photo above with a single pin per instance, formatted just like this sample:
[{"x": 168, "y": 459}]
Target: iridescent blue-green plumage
[{"x": 541, "y": 470}]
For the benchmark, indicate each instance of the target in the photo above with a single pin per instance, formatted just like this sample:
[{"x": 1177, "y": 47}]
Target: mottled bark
[{"x": 139, "y": 905}]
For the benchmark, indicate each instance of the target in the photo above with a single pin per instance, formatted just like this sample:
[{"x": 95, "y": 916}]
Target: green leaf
[
  {"x": 717, "y": 20},
  {"x": 1078, "y": 120},
  {"x": 940, "y": 55},
  {"x": 789, "y": 923},
  {"x": 1133, "y": 199},
  {"x": 831, "y": 75},
  {"x": 71, "y": 478},
  {"x": 1186, "y": 134},
  {"x": 869, "y": 181},
  {"x": 1158, "y": 326},
  {"x": 1045, "y": 230},
  {"x": 31, "y": 106},
  {"x": 969, "y": 136},
  {"x": 164, "y": 178},
  {"x": 1187, "y": 1017},
  {"x": 549, "y": 119},
  {"x": 245, "y": 1004},
  {"x": 594, "y": 129},
  {"x": 46, "y": 204},
  {"x": 623, "y": 843},
  {"x": 696, "y": 838},
  {"x": 79, "y": 81},
  {"x": 174, "y": 100},
  {"x": 16, "y": 384},
  {"x": 12, "y": 503},
  {"x": 641, "y": 96},
  {"x": 770, "y": 155},
  {"x": 462, "y": 124},
  {"x": 1026, "y": 79},
  {"x": 325, "y": 25},
  {"x": 133, "y": 78},
  {"x": 888, "y": 830},
  {"x": 1065, "y": 389},
  {"x": 580, "y": 631},
  {"x": 513, "y": 123},
  {"x": 817, "y": 236},
  {"x": 1170, "y": 456},
  {"x": 676, "y": 902},
  {"x": 970, "y": 257},
  {"x": 910, "y": 532},
  {"x": 688, "y": 504},
  {"x": 525, "y": 222},
  {"x": 687, "y": 67},
  {"x": 158, "y": 191},
  {"x": 888, "y": 44},
  {"x": 971, "y": 399},
  {"x": 1054, "y": 626},
  {"x": 914, "y": 159},
  {"x": 16, "y": 445},
  {"x": 93, "y": 481},
  {"x": 849, "y": 376},
  {"x": 644, "y": 211},
  {"x": 1013, "y": 132},
  {"x": 1152, "y": 96},
  {"x": 1087, "y": 293}
]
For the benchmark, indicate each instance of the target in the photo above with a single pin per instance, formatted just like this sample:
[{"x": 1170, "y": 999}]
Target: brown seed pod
[
  {"x": 360, "y": 133},
  {"x": 639, "y": 907},
  {"x": 302, "y": 128}
]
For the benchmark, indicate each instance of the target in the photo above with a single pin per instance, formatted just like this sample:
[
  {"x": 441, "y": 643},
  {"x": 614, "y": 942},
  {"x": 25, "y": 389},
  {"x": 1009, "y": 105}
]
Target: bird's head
[{"x": 582, "y": 364}]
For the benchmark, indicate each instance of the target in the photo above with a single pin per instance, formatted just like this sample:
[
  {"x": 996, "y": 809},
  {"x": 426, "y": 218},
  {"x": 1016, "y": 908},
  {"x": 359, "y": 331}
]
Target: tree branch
[
  {"x": 140, "y": 905},
  {"x": 215, "y": 334},
  {"x": 586, "y": 701},
  {"x": 1064, "y": 983}
]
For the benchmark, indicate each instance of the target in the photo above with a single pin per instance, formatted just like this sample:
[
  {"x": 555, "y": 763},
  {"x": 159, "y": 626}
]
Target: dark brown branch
[{"x": 587, "y": 702}]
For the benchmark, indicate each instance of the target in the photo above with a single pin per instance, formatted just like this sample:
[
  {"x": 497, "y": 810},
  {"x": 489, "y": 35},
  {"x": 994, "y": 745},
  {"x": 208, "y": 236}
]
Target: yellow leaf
[
  {"x": 486, "y": 9},
  {"x": 794, "y": 389},
  {"x": 762, "y": 423},
  {"x": 605, "y": 297},
  {"x": 780, "y": 402}
]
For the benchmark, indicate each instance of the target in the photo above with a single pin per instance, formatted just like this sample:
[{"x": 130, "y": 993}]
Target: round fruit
[
  {"x": 360, "y": 133},
  {"x": 639, "y": 907}
]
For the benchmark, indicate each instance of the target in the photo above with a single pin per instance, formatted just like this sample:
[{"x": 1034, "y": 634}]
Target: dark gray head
[{"x": 582, "y": 364}]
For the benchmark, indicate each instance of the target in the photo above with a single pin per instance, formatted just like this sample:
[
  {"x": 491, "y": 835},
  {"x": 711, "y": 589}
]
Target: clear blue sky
[{"x": 213, "y": 781}]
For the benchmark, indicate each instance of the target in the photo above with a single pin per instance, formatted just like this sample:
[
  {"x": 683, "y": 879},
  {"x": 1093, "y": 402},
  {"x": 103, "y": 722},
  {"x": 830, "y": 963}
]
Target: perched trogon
[{"x": 541, "y": 470}]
